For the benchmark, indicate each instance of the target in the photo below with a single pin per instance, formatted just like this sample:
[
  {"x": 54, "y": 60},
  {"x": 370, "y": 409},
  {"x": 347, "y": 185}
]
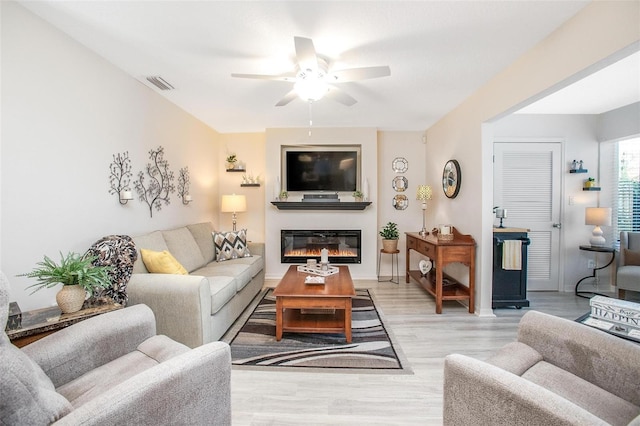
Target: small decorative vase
[
  {"x": 70, "y": 298},
  {"x": 231, "y": 166},
  {"x": 389, "y": 245},
  {"x": 358, "y": 199}
]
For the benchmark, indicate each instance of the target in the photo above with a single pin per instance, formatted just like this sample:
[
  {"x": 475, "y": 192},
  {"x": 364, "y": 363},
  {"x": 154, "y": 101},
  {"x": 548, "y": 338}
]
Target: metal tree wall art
[
  {"x": 120, "y": 174},
  {"x": 160, "y": 183},
  {"x": 183, "y": 185}
]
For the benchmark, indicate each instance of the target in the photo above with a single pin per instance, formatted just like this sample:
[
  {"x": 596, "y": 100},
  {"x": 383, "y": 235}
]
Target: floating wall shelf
[
  {"x": 249, "y": 184},
  {"x": 236, "y": 170},
  {"x": 593, "y": 188},
  {"x": 579, "y": 171},
  {"x": 320, "y": 205}
]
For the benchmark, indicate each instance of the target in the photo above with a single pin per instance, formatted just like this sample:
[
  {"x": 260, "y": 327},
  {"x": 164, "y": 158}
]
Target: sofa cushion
[
  {"x": 161, "y": 262},
  {"x": 256, "y": 263},
  {"x": 202, "y": 234},
  {"x": 223, "y": 289},
  {"x": 152, "y": 241},
  {"x": 239, "y": 271},
  {"x": 183, "y": 247},
  {"x": 605, "y": 405},
  {"x": 231, "y": 245},
  {"x": 515, "y": 358},
  {"x": 27, "y": 395},
  {"x": 97, "y": 382},
  {"x": 628, "y": 277}
]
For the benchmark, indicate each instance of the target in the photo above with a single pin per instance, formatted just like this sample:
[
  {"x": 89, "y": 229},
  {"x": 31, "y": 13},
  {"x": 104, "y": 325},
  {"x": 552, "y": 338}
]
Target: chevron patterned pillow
[{"x": 231, "y": 245}]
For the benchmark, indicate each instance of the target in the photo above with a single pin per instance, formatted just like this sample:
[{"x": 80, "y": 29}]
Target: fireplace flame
[{"x": 316, "y": 252}]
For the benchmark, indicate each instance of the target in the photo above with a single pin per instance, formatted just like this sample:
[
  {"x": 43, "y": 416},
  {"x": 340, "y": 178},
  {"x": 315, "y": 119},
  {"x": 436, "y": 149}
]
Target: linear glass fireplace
[{"x": 297, "y": 245}]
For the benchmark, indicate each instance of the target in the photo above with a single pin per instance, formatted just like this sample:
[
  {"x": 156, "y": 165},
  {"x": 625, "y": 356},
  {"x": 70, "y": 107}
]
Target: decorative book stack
[{"x": 622, "y": 314}]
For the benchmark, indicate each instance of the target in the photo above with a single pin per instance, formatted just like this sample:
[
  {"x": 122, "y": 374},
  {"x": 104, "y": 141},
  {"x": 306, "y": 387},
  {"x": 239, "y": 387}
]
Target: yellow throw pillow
[{"x": 161, "y": 262}]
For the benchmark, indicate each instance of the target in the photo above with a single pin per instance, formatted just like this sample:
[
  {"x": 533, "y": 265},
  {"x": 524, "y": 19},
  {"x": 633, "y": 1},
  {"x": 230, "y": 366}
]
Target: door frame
[{"x": 561, "y": 207}]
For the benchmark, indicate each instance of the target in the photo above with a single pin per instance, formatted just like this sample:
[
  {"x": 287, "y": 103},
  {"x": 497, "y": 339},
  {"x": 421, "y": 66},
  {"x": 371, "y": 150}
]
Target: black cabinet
[{"x": 509, "y": 286}]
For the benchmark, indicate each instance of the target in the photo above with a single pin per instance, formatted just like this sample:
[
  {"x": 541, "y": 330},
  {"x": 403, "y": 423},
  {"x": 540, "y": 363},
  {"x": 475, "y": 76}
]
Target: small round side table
[
  {"x": 596, "y": 249},
  {"x": 397, "y": 274}
]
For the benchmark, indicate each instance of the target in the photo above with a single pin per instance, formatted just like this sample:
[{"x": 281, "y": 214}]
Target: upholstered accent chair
[
  {"x": 558, "y": 372},
  {"x": 112, "y": 369},
  {"x": 628, "y": 275}
]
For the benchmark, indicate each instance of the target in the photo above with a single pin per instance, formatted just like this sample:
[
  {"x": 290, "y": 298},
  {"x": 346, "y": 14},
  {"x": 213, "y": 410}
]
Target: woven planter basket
[
  {"x": 70, "y": 298},
  {"x": 390, "y": 245}
]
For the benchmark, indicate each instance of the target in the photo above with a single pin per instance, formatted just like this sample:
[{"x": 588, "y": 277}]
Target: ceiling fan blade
[
  {"x": 339, "y": 96},
  {"x": 287, "y": 98},
  {"x": 355, "y": 74},
  {"x": 306, "y": 54},
  {"x": 281, "y": 77}
]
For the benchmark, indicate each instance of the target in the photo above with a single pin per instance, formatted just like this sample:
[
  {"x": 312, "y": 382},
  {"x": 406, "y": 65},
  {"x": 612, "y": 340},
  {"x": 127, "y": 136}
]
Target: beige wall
[
  {"x": 589, "y": 40},
  {"x": 412, "y": 147},
  {"x": 65, "y": 113},
  {"x": 366, "y": 220},
  {"x": 250, "y": 150}
]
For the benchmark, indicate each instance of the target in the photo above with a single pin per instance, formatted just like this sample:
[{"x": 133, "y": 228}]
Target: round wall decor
[
  {"x": 451, "y": 179},
  {"x": 400, "y": 183},
  {"x": 400, "y": 165},
  {"x": 400, "y": 202}
]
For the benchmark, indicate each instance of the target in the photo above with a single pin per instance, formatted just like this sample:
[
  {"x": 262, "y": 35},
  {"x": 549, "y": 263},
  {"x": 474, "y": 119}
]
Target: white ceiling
[
  {"x": 610, "y": 88},
  {"x": 439, "y": 52}
]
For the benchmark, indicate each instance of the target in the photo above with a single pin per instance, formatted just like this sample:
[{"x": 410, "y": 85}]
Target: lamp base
[{"x": 596, "y": 237}]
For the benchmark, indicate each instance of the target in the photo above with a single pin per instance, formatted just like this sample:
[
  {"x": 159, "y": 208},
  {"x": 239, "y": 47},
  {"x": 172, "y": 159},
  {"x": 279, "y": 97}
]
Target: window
[
  {"x": 628, "y": 205},
  {"x": 620, "y": 181}
]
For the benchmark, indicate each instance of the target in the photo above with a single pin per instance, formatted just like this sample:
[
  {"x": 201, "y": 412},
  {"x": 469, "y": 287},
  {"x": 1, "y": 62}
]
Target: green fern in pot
[{"x": 76, "y": 273}]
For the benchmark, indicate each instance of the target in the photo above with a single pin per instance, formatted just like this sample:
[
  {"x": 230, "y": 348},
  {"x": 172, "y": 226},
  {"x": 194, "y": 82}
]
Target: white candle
[
  {"x": 126, "y": 195},
  {"x": 324, "y": 255},
  {"x": 365, "y": 189},
  {"x": 276, "y": 189},
  {"x": 188, "y": 198}
]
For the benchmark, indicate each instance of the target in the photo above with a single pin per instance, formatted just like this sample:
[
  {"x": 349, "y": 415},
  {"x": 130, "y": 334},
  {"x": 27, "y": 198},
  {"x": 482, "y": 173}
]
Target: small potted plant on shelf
[
  {"x": 589, "y": 183},
  {"x": 283, "y": 196},
  {"x": 358, "y": 195},
  {"x": 390, "y": 236},
  {"x": 232, "y": 159},
  {"x": 76, "y": 273}
]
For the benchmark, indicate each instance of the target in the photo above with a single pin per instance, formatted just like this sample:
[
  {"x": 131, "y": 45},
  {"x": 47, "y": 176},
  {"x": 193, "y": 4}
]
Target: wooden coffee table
[{"x": 314, "y": 308}]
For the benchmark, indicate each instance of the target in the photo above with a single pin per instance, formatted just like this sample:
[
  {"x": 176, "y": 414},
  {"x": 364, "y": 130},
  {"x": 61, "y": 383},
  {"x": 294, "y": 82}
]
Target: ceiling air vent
[{"x": 160, "y": 83}]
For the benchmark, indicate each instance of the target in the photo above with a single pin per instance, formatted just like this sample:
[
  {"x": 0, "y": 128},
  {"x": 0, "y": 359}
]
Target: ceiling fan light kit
[{"x": 313, "y": 78}]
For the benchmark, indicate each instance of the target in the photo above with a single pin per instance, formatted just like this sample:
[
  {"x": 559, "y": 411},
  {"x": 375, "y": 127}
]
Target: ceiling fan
[{"x": 313, "y": 80}]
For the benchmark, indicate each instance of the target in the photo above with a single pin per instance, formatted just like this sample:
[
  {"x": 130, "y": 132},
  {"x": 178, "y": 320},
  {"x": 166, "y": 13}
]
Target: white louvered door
[{"x": 527, "y": 183}]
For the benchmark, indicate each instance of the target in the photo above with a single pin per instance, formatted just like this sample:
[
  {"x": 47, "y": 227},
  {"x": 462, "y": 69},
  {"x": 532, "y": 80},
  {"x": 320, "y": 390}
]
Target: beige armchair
[
  {"x": 558, "y": 372},
  {"x": 112, "y": 370},
  {"x": 628, "y": 275}
]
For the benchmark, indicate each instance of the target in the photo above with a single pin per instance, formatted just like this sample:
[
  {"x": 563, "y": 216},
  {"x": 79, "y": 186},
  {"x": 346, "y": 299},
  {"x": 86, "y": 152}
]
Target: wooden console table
[{"x": 441, "y": 252}]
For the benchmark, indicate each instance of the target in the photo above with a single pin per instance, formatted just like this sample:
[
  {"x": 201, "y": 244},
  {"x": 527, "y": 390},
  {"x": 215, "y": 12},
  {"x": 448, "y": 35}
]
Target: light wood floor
[{"x": 296, "y": 398}]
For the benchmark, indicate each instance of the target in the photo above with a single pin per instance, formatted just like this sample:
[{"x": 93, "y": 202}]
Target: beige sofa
[
  {"x": 200, "y": 307},
  {"x": 559, "y": 372}
]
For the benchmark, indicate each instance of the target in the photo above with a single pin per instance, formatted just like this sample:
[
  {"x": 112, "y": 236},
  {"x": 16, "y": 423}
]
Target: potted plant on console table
[
  {"x": 390, "y": 236},
  {"x": 77, "y": 275}
]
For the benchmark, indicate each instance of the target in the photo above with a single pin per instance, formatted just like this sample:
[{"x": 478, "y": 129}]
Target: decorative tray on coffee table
[{"x": 317, "y": 270}]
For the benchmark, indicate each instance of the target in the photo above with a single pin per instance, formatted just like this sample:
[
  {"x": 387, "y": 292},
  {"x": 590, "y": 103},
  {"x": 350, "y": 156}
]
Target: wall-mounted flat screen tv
[{"x": 328, "y": 168}]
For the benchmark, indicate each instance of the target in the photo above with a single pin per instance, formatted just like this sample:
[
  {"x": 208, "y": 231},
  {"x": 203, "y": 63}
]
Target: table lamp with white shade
[
  {"x": 234, "y": 204},
  {"x": 597, "y": 216}
]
